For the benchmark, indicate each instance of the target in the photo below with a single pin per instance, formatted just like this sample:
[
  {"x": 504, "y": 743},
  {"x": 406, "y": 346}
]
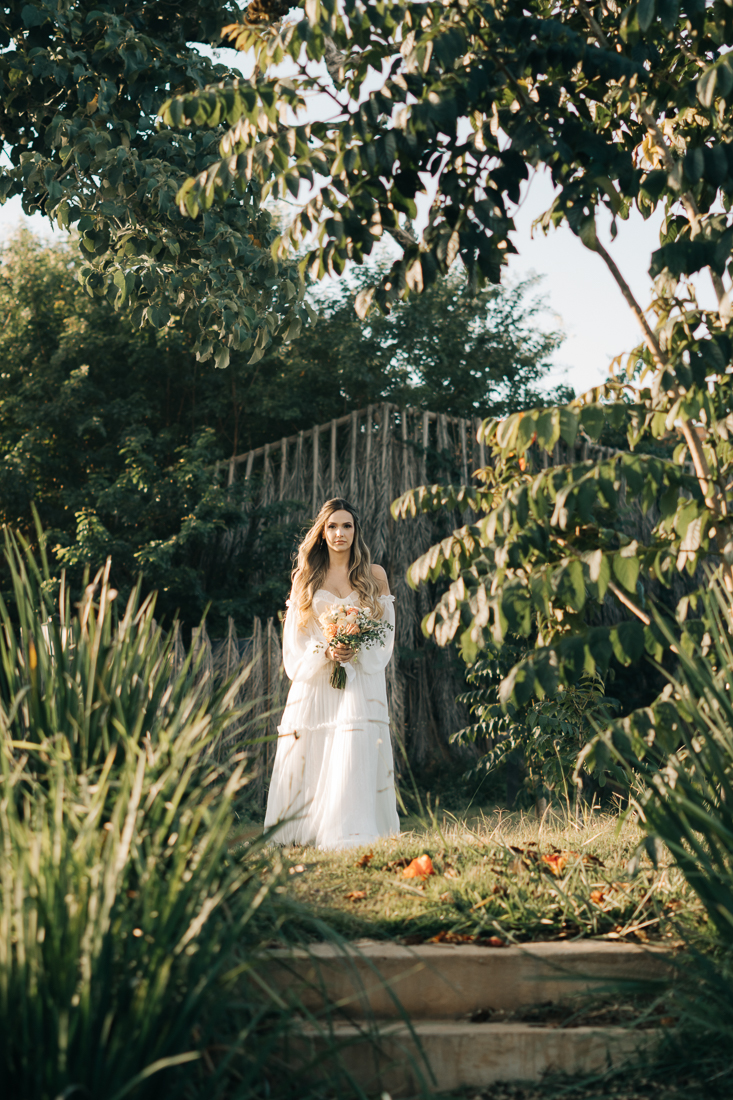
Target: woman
[{"x": 333, "y": 783}]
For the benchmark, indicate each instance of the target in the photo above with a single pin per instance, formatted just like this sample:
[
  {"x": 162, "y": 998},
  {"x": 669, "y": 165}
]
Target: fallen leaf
[
  {"x": 452, "y": 937},
  {"x": 356, "y": 895},
  {"x": 396, "y": 864},
  {"x": 556, "y": 862},
  {"x": 597, "y": 896},
  {"x": 419, "y": 868},
  {"x": 365, "y": 860},
  {"x": 493, "y": 941}
]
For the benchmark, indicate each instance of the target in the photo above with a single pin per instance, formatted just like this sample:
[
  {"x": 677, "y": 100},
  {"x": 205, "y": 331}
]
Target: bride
[{"x": 333, "y": 783}]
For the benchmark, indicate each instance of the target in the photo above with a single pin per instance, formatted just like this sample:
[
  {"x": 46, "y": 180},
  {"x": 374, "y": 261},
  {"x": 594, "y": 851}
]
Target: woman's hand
[{"x": 341, "y": 653}]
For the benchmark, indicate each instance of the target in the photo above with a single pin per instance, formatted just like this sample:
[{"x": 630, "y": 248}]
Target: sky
[{"x": 582, "y": 297}]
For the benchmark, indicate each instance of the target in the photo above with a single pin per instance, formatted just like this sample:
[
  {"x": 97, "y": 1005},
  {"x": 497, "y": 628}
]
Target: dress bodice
[{"x": 324, "y": 599}]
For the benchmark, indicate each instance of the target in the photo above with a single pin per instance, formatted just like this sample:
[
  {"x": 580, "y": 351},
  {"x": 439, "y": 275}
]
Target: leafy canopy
[
  {"x": 80, "y": 84},
  {"x": 624, "y": 108},
  {"x": 114, "y": 433}
]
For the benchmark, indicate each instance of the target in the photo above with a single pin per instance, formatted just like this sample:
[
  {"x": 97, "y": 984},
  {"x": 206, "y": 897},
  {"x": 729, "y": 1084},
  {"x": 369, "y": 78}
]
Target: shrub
[{"x": 124, "y": 922}]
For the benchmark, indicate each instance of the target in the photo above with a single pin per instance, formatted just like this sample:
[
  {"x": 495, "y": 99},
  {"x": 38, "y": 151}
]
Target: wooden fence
[
  {"x": 370, "y": 457},
  {"x": 261, "y": 696}
]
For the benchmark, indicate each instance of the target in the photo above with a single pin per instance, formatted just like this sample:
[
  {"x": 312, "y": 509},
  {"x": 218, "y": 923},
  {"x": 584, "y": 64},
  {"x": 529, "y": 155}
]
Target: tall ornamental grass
[
  {"x": 678, "y": 756},
  {"x": 125, "y": 926}
]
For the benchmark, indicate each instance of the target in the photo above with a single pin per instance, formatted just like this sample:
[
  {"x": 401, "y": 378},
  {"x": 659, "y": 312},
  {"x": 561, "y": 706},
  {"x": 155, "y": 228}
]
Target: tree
[
  {"x": 80, "y": 87},
  {"x": 624, "y": 109},
  {"x": 466, "y": 355},
  {"x": 114, "y": 433}
]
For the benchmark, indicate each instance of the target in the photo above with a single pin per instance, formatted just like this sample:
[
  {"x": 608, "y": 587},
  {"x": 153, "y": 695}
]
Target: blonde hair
[{"x": 312, "y": 564}]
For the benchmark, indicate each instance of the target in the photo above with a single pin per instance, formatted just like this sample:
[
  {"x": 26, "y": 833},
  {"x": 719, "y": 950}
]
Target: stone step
[
  {"x": 450, "y": 981},
  {"x": 442, "y": 1055}
]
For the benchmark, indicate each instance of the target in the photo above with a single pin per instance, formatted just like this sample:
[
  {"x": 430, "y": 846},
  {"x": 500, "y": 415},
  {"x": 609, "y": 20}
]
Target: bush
[{"x": 124, "y": 922}]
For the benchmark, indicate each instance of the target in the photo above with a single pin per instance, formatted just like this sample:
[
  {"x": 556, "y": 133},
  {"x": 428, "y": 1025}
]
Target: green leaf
[
  {"x": 569, "y": 420},
  {"x": 159, "y": 316},
  {"x": 221, "y": 357},
  {"x": 121, "y": 284},
  {"x": 599, "y": 570},
  {"x": 571, "y": 587},
  {"x": 626, "y": 571},
  {"x": 668, "y": 12},
  {"x": 645, "y": 14},
  {"x": 507, "y": 431},
  {"x": 706, "y": 87},
  {"x": 627, "y": 640},
  {"x": 526, "y": 431},
  {"x": 572, "y": 657},
  {"x": 592, "y": 418},
  {"x": 33, "y": 16},
  {"x": 548, "y": 428}
]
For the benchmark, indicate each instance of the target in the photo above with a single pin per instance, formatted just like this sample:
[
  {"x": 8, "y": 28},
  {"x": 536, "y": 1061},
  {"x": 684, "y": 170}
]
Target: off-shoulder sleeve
[
  {"x": 377, "y": 657},
  {"x": 302, "y": 656}
]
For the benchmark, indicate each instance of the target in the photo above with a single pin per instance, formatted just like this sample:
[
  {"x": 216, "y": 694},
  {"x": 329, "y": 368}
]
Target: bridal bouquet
[{"x": 351, "y": 626}]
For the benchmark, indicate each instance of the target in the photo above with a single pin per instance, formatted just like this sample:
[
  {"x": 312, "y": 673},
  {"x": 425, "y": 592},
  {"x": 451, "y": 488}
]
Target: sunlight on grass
[{"x": 499, "y": 878}]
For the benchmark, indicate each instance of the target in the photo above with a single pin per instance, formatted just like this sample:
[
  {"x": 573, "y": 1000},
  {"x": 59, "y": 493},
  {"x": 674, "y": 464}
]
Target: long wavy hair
[{"x": 312, "y": 563}]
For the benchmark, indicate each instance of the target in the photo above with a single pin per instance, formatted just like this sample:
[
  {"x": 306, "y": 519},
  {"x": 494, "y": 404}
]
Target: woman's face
[{"x": 339, "y": 531}]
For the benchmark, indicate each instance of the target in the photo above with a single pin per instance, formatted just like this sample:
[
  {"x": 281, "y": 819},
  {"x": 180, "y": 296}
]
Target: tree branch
[
  {"x": 649, "y": 338},
  {"x": 593, "y": 25},
  {"x": 624, "y": 599},
  {"x": 687, "y": 198}
]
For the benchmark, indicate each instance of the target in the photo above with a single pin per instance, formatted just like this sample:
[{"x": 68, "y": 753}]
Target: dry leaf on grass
[
  {"x": 419, "y": 868},
  {"x": 452, "y": 937},
  {"x": 603, "y": 893},
  {"x": 365, "y": 860},
  {"x": 356, "y": 895},
  {"x": 396, "y": 864},
  {"x": 556, "y": 862},
  {"x": 467, "y": 937}
]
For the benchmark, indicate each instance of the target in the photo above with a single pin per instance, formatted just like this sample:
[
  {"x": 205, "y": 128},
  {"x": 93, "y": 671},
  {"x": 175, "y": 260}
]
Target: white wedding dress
[{"x": 333, "y": 780}]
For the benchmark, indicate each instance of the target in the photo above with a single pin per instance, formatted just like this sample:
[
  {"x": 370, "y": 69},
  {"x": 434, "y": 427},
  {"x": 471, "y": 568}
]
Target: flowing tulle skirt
[{"x": 333, "y": 780}]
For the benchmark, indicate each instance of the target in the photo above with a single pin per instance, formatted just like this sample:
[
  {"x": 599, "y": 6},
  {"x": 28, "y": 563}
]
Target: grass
[{"x": 499, "y": 878}]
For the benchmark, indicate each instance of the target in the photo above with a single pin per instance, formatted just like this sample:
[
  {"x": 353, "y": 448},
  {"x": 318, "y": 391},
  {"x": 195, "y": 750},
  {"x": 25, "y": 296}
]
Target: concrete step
[
  {"x": 442, "y": 1055},
  {"x": 450, "y": 981}
]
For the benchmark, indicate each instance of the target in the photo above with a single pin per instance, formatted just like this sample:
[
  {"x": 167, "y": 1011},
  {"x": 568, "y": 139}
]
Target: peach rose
[{"x": 331, "y": 630}]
